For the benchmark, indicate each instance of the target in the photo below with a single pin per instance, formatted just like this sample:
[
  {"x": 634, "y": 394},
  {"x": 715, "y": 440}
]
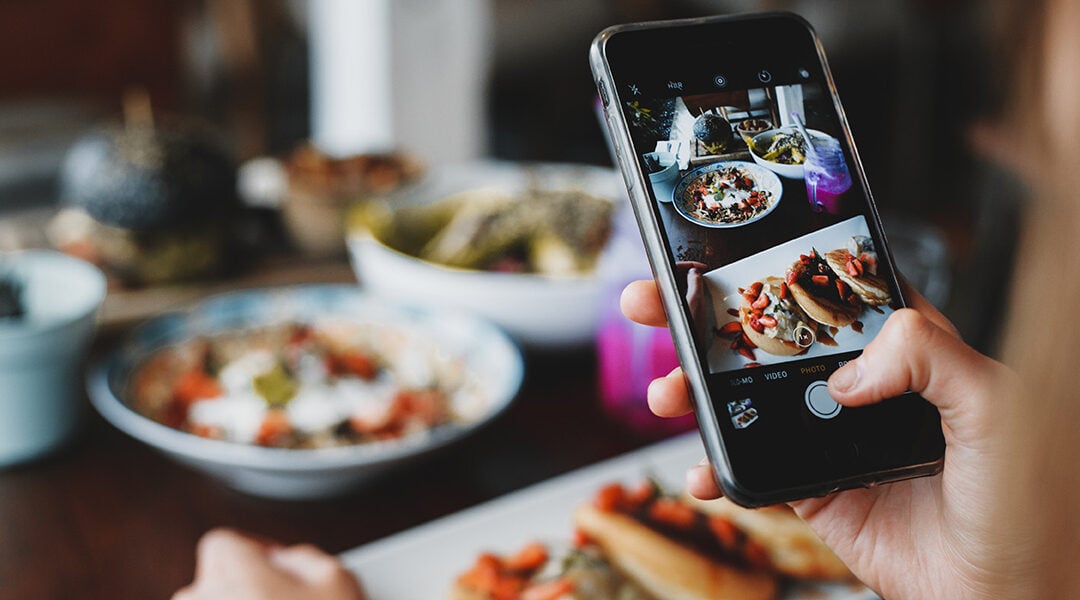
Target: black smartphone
[{"x": 766, "y": 246}]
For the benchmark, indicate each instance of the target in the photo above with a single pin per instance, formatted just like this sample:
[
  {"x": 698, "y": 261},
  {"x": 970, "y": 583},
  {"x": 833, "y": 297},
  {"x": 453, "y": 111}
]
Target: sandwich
[
  {"x": 773, "y": 321},
  {"x": 672, "y": 550},
  {"x": 794, "y": 550},
  {"x": 820, "y": 292},
  {"x": 856, "y": 266},
  {"x": 630, "y": 544}
]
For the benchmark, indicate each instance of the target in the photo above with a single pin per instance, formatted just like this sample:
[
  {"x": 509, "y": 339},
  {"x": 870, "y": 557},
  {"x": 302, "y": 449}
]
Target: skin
[
  {"x": 955, "y": 535},
  {"x": 242, "y": 567}
]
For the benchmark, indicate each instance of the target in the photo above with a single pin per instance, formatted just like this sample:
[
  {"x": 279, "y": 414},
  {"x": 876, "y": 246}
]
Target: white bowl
[
  {"x": 42, "y": 353},
  {"x": 765, "y": 138},
  {"x": 538, "y": 310},
  {"x": 303, "y": 473}
]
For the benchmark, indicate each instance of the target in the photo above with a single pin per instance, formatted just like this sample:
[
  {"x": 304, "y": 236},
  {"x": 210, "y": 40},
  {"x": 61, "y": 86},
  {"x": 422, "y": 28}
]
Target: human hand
[
  {"x": 236, "y": 566},
  {"x": 954, "y": 535}
]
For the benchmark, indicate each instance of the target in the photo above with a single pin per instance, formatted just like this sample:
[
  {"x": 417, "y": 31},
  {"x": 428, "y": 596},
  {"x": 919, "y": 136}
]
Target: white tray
[{"x": 421, "y": 563}]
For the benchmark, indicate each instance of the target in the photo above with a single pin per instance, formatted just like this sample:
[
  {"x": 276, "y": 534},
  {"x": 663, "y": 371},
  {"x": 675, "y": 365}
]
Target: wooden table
[{"x": 108, "y": 517}]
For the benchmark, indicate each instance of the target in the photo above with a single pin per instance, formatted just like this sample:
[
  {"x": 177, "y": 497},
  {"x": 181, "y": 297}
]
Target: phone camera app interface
[{"x": 767, "y": 224}]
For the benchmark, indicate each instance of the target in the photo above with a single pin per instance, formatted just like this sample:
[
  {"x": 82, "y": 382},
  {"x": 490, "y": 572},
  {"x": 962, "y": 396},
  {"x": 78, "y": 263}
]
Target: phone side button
[
  {"x": 820, "y": 403},
  {"x": 627, "y": 177}
]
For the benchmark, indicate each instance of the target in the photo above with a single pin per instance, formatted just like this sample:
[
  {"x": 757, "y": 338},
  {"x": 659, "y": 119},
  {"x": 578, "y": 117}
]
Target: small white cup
[{"x": 41, "y": 353}]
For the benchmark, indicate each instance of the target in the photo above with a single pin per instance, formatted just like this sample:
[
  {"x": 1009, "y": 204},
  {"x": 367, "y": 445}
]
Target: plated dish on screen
[{"x": 727, "y": 194}]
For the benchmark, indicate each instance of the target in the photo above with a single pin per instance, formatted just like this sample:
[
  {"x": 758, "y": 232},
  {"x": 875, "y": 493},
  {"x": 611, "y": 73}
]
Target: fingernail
[{"x": 846, "y": 378}]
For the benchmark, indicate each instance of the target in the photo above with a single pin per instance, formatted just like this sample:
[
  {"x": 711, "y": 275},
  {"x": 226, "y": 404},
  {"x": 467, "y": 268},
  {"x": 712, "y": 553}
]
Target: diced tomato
[
  {"x": 529, "y": 558},
  {"x": 195, "y": 385},
  {"x": 672, "y": 512},
  {"x": 426, "y": 405},
  {"x": 300, "y": 335},
  {"x": 175, "y": 415},
  {"x": 724, "y": 532},
  {"x": 640, "y": 495},
  {"x": 581, "y": 539},
  {"x": 508, "y": 587},
  {"x": 549, "y": 590},
  {"x": 206, "y": 431},
  {"x": 483, "y": 575},
  {"x": 275, "y": 425},
  {"x": 610, "y": 497},
  {"x": 357, "y": 363}
]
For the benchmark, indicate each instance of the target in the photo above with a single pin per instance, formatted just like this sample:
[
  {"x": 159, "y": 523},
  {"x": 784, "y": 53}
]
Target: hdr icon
[{"x": 675, "y": 85}]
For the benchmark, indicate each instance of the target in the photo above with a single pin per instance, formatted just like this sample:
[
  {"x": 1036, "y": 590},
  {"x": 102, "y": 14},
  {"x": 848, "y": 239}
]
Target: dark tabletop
[{"x": 107, "y": 517}]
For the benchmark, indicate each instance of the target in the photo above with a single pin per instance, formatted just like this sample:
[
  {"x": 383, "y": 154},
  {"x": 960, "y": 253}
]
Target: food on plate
[
  {"x": 150, "y": 200},
  {"x": 320, "y": 188},
  {"x": 748, "y": 128},
  {"x": 794, "y": 550},
  {"x": 672, "y": 550},
  {"x": 772, "y": 321},
  {"x": 551, "y": 232},
  {"x": 818, "y": 290},
  {"x": 329, "y": 382},
  {"x": 727, "y": 195},
  {"x": 786, "y": 147},
  {"x": 535, "y": 573},
  {"x": 640, "y": 543},
  {"x": 713, "y": 131},
  {"x": 856, "y": 265}
]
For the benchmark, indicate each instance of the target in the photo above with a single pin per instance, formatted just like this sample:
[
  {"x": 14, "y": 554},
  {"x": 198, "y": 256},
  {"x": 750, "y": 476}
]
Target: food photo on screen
[
  {"x": 816, "y": 295},
  {"x": 720, "y": 156}
]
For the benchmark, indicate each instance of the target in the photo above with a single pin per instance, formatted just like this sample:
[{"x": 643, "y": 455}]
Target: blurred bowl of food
[
  {"x": 519, "y": 244},
  {"x": 783, "y": 150},
  {"x": 320, "y": 188},
  {"x": 306, "y": 391}
]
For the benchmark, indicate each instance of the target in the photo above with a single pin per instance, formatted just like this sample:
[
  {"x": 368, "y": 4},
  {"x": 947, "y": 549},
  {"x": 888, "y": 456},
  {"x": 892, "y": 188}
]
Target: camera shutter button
[{"x": 820, "y": 403}]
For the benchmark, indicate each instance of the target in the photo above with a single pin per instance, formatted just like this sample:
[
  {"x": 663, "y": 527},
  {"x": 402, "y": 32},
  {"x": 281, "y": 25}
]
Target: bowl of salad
[
  {"x": 522, "y": 245},
  {"x": 305, "y": 391},
  {"x": 783, "y": 150}
]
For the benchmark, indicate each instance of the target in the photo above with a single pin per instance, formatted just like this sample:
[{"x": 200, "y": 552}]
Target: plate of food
[
  {"x": 727, "y": 194},
  {"x": 305, "y": 391},
  {"x": 783, "y": 150},
  {"x": 815, "y": 295},
  {"x": 617, "y": 529}
]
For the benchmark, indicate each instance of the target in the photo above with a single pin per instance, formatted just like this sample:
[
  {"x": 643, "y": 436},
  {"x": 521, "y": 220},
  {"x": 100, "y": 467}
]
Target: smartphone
[{"x": 767, "y": 249}]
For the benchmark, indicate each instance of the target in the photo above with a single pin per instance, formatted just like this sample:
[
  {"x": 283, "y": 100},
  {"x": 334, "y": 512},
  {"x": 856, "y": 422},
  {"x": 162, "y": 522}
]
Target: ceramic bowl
[
  {"x": 540, "y": 311},
  {"x": 305, "y": 473}
]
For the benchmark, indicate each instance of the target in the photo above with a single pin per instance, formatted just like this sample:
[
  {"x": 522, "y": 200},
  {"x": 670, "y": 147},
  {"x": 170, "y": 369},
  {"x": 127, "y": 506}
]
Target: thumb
[{"x": 912, "y": 353}]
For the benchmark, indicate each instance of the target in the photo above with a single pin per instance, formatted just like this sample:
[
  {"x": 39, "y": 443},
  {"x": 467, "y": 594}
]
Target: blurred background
[{"x": 508, "y": 79}]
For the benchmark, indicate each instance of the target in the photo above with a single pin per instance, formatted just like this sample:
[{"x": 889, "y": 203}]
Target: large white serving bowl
[
  {"x": 540, "y": 311},
  {"x": 304, "y": 473},
  {"x": 765, "y": 139}
]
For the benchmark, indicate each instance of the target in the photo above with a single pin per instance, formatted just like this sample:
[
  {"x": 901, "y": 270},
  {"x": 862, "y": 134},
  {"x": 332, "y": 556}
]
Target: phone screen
[{"x": 777, "y": 250}]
